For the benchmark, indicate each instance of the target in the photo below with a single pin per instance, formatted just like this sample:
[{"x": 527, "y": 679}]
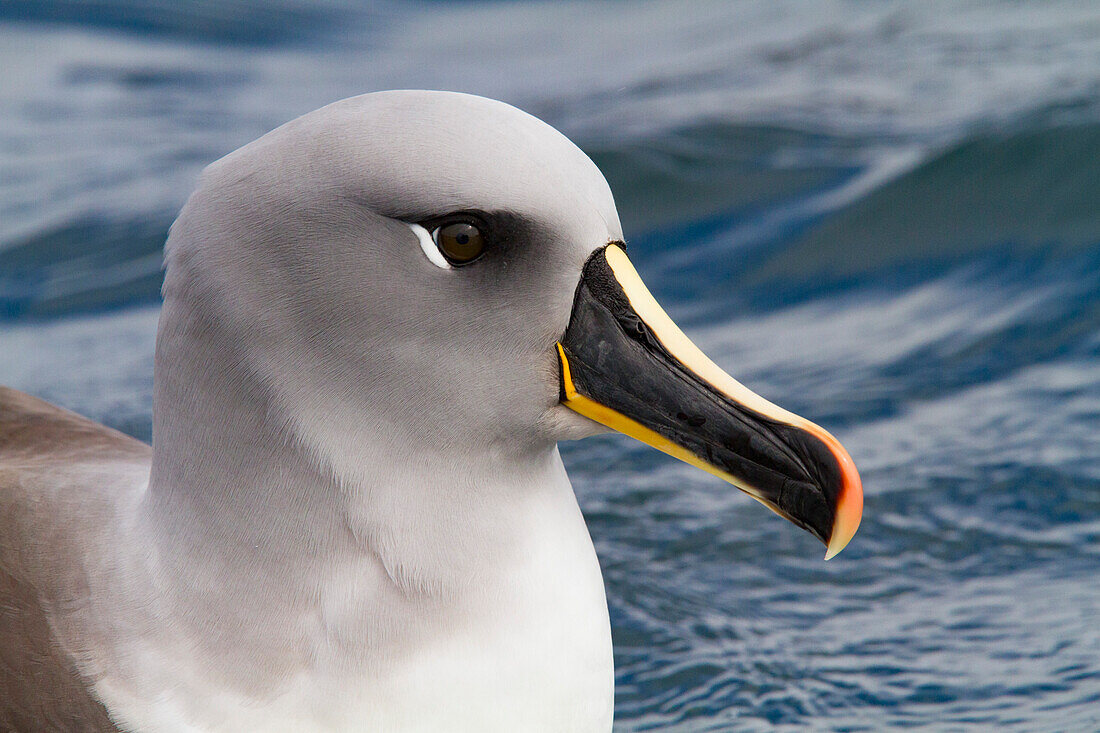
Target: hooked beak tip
[{"x": 849, "y": 501}]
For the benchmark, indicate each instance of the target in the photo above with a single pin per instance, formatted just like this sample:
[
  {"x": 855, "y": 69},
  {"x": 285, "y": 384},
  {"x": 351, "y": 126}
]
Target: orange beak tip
[{"x": 849, "y": 507}]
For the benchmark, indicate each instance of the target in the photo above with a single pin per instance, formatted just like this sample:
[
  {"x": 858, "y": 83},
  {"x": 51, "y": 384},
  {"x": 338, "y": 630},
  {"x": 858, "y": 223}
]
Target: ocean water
[{"x": 882, "y": 215}]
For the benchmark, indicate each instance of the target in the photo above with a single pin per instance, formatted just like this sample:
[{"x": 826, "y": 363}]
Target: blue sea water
[{"x": 882, "y": 215}]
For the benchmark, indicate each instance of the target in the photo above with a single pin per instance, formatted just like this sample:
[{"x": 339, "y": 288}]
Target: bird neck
[
  {"x": 296, "y": 548},
  {"x": 263, "y": 496},
  {"x": 281, "y": 577}
]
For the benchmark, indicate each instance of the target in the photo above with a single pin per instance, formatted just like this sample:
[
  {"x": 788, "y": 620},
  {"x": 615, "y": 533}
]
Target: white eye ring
[{"x": 431, "y": 251}]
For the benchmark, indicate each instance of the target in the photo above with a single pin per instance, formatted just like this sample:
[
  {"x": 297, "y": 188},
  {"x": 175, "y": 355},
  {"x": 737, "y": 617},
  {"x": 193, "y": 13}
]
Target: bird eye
[{"x": 460, "y": 242}]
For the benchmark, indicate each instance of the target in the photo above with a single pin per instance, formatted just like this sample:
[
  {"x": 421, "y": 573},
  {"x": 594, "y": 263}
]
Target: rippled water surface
[{"x": 882, "y": 215}]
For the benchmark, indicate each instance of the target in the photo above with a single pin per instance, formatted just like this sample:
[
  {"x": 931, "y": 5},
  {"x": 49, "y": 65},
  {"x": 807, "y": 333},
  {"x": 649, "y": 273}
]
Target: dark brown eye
[{"x": 460, "y": 242}]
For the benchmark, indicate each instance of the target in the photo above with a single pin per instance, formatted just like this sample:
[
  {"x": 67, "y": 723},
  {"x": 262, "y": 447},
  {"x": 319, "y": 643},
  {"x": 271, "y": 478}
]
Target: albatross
[{"x": 379, "y": 320}]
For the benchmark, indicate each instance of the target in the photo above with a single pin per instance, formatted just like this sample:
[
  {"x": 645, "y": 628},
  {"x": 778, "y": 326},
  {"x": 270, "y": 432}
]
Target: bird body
[{"x": 354, "y": 515}]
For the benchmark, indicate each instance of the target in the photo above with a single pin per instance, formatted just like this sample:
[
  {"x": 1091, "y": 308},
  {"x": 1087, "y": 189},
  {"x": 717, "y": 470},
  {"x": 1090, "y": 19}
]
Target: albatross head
[{"x": 445, "y": 273}]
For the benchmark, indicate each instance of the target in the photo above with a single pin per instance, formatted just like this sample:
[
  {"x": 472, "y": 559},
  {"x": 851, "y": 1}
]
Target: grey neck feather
[{"x": 238, "y": 482}]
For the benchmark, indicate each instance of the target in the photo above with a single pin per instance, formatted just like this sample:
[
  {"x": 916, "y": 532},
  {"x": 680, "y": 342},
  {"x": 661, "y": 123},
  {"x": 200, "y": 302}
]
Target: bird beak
[{"x": 625, "y": 364}]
